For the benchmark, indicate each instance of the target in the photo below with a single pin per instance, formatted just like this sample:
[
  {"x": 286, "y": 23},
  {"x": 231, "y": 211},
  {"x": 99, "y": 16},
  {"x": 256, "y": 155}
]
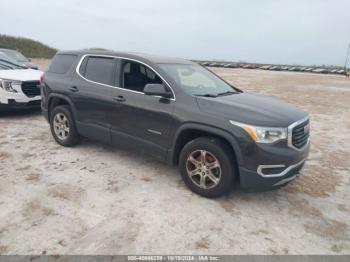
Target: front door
[{"x": 141, "y": 121}]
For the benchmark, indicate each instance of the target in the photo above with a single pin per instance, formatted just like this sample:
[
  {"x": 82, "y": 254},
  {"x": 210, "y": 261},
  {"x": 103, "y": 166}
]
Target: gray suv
[{"x": 178, "y": 112}]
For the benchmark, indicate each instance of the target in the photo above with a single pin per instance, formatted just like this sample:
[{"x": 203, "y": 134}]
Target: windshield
[
  {"x": 17, "y": 56},
  {"x": 196, "y": 80},
  {"x": 8, "y": 63}
]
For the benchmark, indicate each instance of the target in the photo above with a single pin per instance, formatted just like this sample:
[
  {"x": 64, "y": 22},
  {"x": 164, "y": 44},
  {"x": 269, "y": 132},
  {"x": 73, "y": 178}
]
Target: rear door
[{"x": 92, "y": 95}]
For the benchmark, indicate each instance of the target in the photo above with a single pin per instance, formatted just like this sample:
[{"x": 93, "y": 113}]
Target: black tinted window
[
  {"x": 61, "y": 63},
  {"x": 136, "y": 76},
  {"x": 100, "y": 69}
]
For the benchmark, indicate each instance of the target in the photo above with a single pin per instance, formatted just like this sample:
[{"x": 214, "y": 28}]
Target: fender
[
  {"x": 64, "y": 97},
  {"x": 208, "y": 129}
]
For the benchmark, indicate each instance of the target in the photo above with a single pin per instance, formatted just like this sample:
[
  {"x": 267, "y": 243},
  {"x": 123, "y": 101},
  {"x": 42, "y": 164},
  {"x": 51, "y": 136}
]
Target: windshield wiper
[
  {"x": 208, "y": 95},
  {"x": 227, "y": 93},
  {"x": 13, "y": 65}
]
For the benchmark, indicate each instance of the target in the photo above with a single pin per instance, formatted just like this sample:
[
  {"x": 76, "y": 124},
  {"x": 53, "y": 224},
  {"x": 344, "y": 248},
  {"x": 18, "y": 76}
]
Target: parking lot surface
[{"x": 95, "y": 199}]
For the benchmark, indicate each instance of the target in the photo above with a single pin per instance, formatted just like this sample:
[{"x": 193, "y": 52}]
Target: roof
[{"x": 156, "y": 59}]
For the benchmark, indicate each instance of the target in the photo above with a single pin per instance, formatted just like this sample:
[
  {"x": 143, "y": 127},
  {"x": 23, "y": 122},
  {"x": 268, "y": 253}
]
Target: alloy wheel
[
  {"x": 204, "y": 169},
  {"x": 61, "y": 126}
]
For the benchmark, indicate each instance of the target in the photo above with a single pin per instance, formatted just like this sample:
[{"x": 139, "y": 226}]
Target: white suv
[{"x": 19, "y": 86}]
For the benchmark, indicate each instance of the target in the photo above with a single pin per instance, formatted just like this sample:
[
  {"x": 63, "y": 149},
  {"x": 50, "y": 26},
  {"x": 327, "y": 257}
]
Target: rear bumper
[{"x": 45, "y": 113}]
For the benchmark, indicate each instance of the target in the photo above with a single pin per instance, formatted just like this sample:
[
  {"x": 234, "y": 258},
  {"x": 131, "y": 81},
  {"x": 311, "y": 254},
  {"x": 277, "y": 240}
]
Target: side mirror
[
  {"x": 156, "y": 90},
  {"x": 29, "y": 60}
]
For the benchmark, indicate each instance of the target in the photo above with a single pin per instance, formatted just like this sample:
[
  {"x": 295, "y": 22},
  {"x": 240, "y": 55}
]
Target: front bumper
[
  {"x": 253, "y": 181},
  {"x": 18, "y": 100},
  {"x": 267, "y": 167},
  {"x": 13, "y": 104}
]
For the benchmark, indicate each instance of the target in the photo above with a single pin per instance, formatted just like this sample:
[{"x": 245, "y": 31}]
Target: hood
[
  {"x": 250, "y": 108},
  {"x": 21, "y": 74}
]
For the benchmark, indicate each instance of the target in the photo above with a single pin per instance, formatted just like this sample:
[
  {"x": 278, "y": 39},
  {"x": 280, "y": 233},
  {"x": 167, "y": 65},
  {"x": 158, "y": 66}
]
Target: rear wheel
[
  {"x": 207, "y": 167},
  {"x": 63, "y": 127}
]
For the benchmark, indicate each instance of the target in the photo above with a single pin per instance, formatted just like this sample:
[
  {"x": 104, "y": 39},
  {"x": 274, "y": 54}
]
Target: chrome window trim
[
  {"x": 117, "y": 87},
  {"x": 290, "y": 134},
  {"x": 261, "y": 167}
]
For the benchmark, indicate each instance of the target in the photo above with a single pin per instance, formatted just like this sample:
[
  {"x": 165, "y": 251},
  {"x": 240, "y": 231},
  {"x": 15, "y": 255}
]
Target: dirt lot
[{"x": 94, "y": 199}]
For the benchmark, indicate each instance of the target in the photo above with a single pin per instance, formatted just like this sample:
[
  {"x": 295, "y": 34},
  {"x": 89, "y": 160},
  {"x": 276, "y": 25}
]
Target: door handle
[
  {"x": 119, "y": 99},
  {"x": 74, "y": 89}
]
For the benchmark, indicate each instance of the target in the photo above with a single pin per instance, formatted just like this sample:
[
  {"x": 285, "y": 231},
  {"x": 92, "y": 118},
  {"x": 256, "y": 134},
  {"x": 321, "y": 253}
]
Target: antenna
[{"x": 346, "y": 59}]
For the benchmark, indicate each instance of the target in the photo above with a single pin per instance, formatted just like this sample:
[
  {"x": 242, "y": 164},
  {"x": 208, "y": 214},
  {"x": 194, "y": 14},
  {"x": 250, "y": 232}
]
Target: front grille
[
  {"x": 300, "y": 134},
  {"x": 31, "y": 88}
]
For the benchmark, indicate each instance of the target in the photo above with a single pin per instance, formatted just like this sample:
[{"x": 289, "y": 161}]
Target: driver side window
[{"x": 135, "y": 76}]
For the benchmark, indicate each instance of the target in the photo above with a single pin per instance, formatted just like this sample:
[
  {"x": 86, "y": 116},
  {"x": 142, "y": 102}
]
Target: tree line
[{"x": 29, "y": 48}]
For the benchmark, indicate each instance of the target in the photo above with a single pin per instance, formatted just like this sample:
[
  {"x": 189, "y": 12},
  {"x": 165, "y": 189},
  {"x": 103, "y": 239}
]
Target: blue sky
[{"x": 266, "y": 31}]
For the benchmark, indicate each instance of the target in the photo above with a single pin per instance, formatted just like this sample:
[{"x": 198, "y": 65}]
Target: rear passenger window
[
  {"x": 100, "y": 69},
  {"x": 61, "y": 63}
]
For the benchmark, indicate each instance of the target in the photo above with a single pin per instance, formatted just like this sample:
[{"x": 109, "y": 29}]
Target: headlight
[
  {"x": 7, "y": 85},
  {"x": 263, "y": 134}
]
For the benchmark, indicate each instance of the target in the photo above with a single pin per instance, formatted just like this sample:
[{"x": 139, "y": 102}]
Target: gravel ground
[{"x": 95, "y": 199}]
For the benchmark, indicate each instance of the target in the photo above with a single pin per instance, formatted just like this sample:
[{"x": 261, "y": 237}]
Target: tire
[
  {"x": 208, "y": 171},
  {"x": 61, "y": 116}
]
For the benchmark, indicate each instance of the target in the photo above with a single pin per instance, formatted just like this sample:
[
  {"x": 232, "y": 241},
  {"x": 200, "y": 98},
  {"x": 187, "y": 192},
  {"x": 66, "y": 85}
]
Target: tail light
[{"x": 42, "y": 79}]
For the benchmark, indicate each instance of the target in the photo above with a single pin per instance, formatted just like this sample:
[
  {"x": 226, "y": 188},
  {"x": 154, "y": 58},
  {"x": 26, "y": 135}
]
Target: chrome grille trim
[{"x": 290, "y": 134}]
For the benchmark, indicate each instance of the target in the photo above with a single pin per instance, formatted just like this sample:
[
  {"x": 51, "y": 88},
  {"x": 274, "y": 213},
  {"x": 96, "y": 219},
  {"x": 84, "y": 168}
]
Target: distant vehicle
[
  {"x": 265, "y": 67},
  {"x": 309, "y": 69},
  {"x": 295, "y": 69},
  {"x": 284, "y": 68},
  {"x": 214, "y": 64},
  {"x": 19, "y": 86},
  {"x": 231, "y": 65},
  {"x": 341, "y": 71},
  {"x": 275, "y": 68},
  {"x": 19, "y": 58},
  {"x": 320, "y": 70},
  {"x": 249, "y": 66},
  {"x": 206, "y": 63}
]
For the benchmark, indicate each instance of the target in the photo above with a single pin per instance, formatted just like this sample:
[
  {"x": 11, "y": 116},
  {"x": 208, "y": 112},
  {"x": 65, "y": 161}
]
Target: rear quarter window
[{"x": 61, "y": 63}]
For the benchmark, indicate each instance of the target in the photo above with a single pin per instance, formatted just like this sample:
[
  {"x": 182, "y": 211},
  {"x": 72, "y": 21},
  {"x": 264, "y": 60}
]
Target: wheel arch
[
  {"x": 57, "y": 100},
  {"x": 190, "y": 131}
]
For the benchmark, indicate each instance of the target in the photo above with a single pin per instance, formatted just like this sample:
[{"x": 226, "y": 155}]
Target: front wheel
[
  {"x": 63, "y": 127},
  {"x": 207, "y": 167}
]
